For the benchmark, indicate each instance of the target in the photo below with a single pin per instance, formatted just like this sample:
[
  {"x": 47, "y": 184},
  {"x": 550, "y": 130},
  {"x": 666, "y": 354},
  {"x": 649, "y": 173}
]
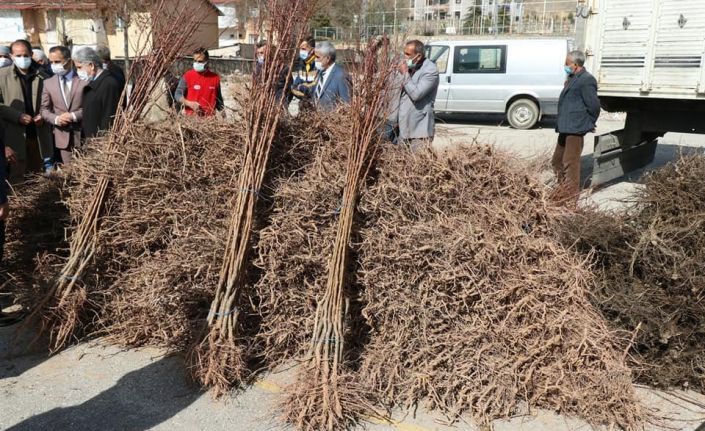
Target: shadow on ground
[
  {"x": 17, "y": 352},
  {"x": 665, "y": 153},
  {"x": 140, "y": 400},
  {"x": 547, "y": 122}
]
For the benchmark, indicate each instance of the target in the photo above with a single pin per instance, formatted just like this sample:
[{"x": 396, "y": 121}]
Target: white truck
[{"x": 648, "y": 57}]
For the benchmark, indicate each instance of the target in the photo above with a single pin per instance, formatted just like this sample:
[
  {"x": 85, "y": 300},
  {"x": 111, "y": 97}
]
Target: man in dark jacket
[
  {"x": 578, "y": 110},
  {"x": 101, "y": 96},
  {"x": 4, "y": 205},
  {"x": 264, "y": 49},
  {"x": 104, "y": 54},
  {"x": 5, "y": 319}
]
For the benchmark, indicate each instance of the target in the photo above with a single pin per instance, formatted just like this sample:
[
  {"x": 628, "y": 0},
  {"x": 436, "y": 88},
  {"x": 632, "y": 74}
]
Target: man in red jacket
[{"x": 199, "y": 88}]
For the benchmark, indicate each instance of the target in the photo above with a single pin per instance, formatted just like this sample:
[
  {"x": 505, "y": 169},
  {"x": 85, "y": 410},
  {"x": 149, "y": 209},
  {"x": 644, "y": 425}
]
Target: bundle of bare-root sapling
[
  {"x": 62, "y": 310},
  {"x": 320, "y": 398},
  {"x": 220, "y": 358}
]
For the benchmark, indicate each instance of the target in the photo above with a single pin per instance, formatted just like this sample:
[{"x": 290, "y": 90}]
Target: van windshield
[{"x": 439, "y": 55}]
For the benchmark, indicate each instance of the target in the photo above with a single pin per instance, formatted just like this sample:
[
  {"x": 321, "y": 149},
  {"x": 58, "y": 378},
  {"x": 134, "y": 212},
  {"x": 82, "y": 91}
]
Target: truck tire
[{"x": 523, "y": 114}]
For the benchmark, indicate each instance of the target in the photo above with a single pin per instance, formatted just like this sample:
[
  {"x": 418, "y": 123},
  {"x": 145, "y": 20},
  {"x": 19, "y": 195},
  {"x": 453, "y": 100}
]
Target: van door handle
[{"x": 448, "y": 79}]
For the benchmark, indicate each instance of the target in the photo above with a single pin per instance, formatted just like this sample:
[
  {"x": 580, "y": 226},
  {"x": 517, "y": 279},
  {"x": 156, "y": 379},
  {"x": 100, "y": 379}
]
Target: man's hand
[
  {"x": 403, "y": 68},
  {"x": 10, "y": 156},
  {"x": 38, "y": 120},
  {"x": 25, "y": 119},
  {"x": 4, "y": 211},
  {"x": 193, "y": 105},
  {"x": 64, "y": 119}
]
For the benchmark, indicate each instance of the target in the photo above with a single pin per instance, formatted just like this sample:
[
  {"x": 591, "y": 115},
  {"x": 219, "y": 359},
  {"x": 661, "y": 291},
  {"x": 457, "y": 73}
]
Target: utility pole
[
  {"x": 395, "y": 22},
  {"x": 125, "y": 38},
  {"x": 495, "y": 17},
  {"x": 543, "y": 18},
  {"x": 64, "y": 36},
  {"x": 364, "y": 18}
]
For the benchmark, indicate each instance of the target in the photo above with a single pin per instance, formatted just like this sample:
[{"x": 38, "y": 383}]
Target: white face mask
[
  {"x": 58, "y": 69},
  {"x": 4, "y": 62},
  {"x": 319, "y": 65},
  {"x": 23, "y": 62},
  {"x": 83, "y": 75},
  {"x": 105, "y": 66},
  {"x": 198, "y": 66}
]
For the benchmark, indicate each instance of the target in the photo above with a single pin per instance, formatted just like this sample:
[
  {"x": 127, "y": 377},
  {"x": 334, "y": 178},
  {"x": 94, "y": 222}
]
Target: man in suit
[
  {"x": 26, "y": 134},
  {"x": 104, "y": 54},
  {"x": 101, "y": 95},
  {"x": 418, "y": 94},
  {"x": 62, "y": 102},
  {"x": 578, "y": 110},
  {"x": 333, "y": 87}
]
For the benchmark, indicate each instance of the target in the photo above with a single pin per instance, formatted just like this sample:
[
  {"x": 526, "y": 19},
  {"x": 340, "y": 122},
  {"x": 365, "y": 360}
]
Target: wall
[
  {"x": 11, "y": 26},
  {"x": 138, "y": 34}
]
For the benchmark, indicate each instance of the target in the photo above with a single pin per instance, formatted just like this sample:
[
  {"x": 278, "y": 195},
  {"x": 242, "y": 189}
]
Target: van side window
[
  {"x": 438, "y": 54},
  {"x": 480, "y": 59}
]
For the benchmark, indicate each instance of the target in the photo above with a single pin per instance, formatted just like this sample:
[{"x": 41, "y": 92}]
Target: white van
[{"x": 520, "y": 77}]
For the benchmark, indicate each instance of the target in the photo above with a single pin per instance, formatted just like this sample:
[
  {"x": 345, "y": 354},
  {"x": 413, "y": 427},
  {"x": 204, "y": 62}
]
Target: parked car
[{"x": 520, "y": 77}]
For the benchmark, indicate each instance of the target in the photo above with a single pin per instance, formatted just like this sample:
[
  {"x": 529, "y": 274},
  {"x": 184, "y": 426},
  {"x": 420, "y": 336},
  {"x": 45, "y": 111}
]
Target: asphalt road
[{"x": 539, "y": 143}]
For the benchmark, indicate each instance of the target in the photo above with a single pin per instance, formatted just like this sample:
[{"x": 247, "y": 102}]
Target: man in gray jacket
[
  {"x": 578, "y": 110},
  {"x": 418, "y": 93}
]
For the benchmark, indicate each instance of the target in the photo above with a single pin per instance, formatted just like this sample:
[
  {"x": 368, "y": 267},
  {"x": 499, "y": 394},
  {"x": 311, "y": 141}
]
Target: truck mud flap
[{"x": 612, "y": 160}]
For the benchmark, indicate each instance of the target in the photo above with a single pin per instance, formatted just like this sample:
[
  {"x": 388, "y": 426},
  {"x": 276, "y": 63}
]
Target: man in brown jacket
[
  {"x": 62, "y": 102},
  {"x": 26, "y": 134}
]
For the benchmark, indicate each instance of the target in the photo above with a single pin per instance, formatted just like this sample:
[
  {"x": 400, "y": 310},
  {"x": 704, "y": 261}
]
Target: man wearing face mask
[
  {"x": 305, "y": 73},
  {"x": 41, "y": 59},
  {"x": 333, "y": 84},
  {"x": 5, "y": 60},
  {"x": 28, "y": 140},
  {"x": 199, "y": 88},
  {"x": 263, "y": 49},
  {"x": 62, "y": 101},
  {"x": 104, "y": 54},
  {"x": 101, "y": 94},
  {"x": 419, "y": 78},
  {"x": 578, "y": 110}
]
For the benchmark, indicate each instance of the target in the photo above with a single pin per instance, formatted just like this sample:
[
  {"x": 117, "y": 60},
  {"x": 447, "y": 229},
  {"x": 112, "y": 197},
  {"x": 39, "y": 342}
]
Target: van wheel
[{"x": 523, "y": 114}]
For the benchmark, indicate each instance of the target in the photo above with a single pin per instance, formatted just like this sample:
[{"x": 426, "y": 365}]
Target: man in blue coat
[
  {"x": 333, "y": 87},
  {"x": 578, "y": 110}
]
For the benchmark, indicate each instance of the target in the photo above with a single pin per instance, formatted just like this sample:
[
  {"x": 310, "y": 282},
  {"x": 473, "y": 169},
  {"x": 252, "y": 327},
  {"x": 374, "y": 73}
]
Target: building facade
[{"x": 79, "y": 23}]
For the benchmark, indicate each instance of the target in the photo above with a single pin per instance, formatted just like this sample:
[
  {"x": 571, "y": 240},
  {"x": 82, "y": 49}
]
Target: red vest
[{"x": 202, "y": 88}]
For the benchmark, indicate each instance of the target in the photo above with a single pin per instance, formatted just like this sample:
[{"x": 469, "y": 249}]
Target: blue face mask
[
  {"x": 198, "y": 66},
  {"x": 568, "y": 70},
  {"x": 303, "y": 54}
]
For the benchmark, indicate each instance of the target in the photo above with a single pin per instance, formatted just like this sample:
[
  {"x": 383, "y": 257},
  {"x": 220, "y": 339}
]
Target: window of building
[
  {"x": 441, "y": 15},
  {"x": 457, "y": 14},
  {"x": 480, "y": 59}
]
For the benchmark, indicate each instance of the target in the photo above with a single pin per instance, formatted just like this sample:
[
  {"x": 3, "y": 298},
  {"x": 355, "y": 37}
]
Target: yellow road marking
[{"x": 274, "y": 388}]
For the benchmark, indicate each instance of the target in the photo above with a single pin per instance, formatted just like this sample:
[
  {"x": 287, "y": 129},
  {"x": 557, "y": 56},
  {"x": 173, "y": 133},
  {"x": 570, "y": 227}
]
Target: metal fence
[{"x": 462, "y": 17}]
